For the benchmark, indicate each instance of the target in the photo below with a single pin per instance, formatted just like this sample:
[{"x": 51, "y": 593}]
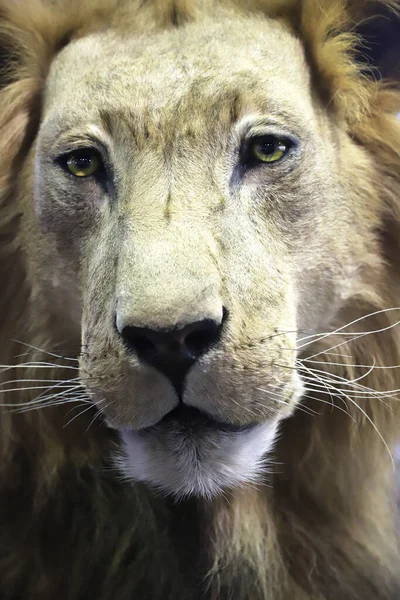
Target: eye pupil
[
  {"x": 83, "y": 163},
  {"x": 267, "y": 147}
]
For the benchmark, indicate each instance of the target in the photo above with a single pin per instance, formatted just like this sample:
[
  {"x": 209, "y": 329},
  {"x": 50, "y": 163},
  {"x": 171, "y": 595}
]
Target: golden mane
[{"x": 297, "y": 539}]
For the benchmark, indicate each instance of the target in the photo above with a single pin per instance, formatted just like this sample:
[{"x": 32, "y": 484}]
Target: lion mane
[{"x": 324, "y": 526}]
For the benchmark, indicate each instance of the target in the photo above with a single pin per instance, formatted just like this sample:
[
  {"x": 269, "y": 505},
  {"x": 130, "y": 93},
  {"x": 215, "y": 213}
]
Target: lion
[{"x": 200, "y": 283}]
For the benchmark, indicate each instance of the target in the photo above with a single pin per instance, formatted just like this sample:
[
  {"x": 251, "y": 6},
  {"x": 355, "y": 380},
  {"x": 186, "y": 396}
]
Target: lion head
[
  {"x": 178, "y": 191},
  {"x": 201, "y": 203}
]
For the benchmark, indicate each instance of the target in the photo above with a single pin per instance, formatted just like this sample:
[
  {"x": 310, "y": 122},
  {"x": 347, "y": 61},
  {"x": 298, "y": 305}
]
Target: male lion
[{"x": 199, "y": 258}]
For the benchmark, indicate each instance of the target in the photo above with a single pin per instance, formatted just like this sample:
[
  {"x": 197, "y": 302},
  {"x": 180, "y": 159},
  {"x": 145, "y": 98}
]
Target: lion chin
[{"x": 190, "y": 454}]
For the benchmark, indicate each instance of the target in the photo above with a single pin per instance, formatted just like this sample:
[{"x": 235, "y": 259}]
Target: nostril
[
  {"x": 139, "y": 343},
  {"x": 199, "y": 342}
]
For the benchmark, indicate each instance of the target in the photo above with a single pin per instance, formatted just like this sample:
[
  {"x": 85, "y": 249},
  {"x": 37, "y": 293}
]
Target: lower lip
[{"x": 189, "y": 417}]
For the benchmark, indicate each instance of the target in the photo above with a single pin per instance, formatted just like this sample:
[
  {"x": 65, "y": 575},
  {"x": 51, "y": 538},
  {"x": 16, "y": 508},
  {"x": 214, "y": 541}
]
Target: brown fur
[{"x": 324, "y": 527}]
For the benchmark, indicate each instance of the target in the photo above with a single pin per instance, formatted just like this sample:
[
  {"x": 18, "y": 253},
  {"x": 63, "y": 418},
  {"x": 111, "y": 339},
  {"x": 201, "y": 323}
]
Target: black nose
[{"x": 174, "y": 351}]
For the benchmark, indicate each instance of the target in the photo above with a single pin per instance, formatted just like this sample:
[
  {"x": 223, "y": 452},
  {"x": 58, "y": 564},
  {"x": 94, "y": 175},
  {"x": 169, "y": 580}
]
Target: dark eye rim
[
  {"x": 100, "y": 173},
  {"x": 248, "y": 160}
]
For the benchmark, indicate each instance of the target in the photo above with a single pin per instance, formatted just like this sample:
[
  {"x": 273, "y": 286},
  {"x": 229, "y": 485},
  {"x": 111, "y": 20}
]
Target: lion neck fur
[{"x": 268, "y": 543}]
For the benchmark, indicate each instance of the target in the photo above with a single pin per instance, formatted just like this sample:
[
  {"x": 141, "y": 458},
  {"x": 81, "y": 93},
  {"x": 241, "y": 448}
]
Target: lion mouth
[{"x": 191, "y": 420}]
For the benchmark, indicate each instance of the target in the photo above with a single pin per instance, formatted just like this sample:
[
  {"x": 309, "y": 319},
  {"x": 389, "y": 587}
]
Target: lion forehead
[{"x": 258, "y": 58}]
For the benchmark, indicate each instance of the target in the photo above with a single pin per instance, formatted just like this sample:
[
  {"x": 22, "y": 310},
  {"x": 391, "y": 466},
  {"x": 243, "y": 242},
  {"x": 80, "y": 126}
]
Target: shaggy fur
[{"x": 322, "y": 525}]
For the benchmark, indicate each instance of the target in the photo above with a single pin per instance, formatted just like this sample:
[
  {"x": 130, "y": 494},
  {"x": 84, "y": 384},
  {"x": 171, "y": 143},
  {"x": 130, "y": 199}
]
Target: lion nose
[{"x": 174, "y": 351}]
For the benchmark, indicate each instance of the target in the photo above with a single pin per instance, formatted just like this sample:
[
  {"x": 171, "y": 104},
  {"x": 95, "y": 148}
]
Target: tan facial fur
[{"x": 181, "y": 231}]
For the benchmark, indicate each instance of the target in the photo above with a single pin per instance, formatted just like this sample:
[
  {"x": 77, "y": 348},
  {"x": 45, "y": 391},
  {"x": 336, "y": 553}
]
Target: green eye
[
  {"x": 84, "y": 163},
  {"x": 268, "y": 148}
]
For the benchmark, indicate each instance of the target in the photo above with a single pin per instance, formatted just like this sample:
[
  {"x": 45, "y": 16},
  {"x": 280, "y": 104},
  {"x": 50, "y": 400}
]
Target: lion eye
[
  {"x": 268, "y": 149},
  {"x": 83, "y": 163}
]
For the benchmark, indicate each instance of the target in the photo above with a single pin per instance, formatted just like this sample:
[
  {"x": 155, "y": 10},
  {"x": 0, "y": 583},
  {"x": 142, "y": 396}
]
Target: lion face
[{"x": 203, "y": 203}]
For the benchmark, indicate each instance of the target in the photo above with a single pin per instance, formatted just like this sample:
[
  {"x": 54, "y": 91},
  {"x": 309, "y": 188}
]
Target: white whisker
[
  {"x": 96, "y": 416},
  {"x": 10, "y": 381},
  {"x": 45, "y": 351},
  {"x": 39, "y": 400},
  {"x": 340, "y": 330},
  {"x": 24, "y": 389},
  {"x": 36, "y": 365},
  {"x": 80, "y": 414},
  {"x": 351, "y": 382},
  {"x": 332, "y": 406},
  {"x": 328, "y": 381},
  {"x": 355, "y": 365},
  {"x": 356, "y": 337}
]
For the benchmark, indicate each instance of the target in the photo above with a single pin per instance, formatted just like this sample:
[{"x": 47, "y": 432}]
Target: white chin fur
[{"x": 201, "y": 463}]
